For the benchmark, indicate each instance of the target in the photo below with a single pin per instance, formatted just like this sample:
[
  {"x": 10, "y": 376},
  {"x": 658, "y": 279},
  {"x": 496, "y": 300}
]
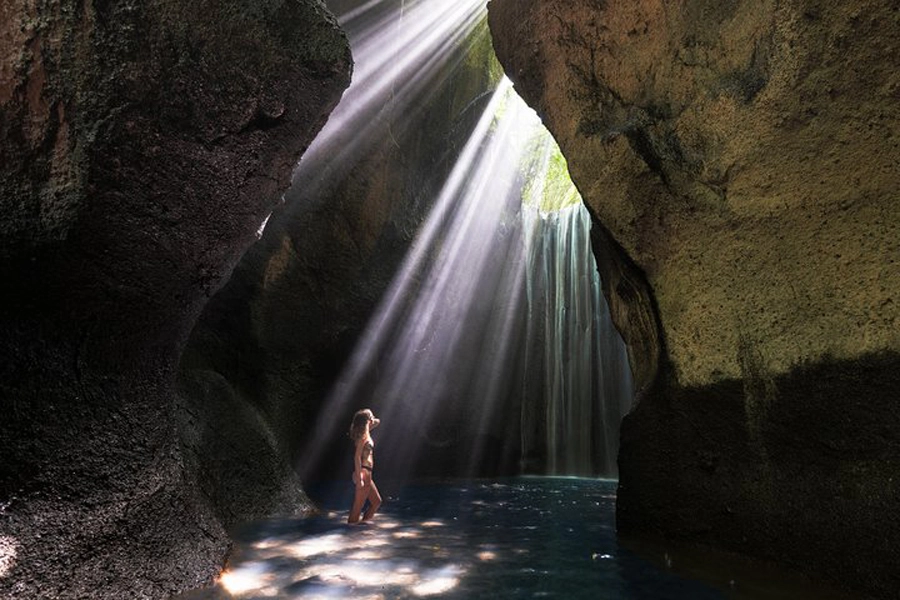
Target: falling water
[
  {"x": 578, "y": 382},
  {"x": 582, "y": 386},
  {"x": 497, "y": 306}
]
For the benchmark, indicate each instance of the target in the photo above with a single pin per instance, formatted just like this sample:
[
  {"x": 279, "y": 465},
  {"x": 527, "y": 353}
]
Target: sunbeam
[
  {"x": 492, "y": 288},
  {"x": 483, "y": 355},
  {"x": 416, "y": 342},
  {"x": 403, "y": 51}
]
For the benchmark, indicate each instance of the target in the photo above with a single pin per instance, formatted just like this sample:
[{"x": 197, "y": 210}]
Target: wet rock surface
[
  {"x": 141, "y": 145},
  {"x": 742, "y": 158}
]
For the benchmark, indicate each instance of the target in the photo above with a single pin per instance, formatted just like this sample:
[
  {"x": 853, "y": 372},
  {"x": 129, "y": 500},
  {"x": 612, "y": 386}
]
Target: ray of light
[
  {"x": 452, "y": 324},
  {"x": 403, "y": 51},
  {"x": 421, "y": 325}
]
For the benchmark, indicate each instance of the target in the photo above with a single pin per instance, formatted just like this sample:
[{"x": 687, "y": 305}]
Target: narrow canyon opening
[
  {"x": 446, "y": 254},
  {"x": 609, "y": 274}
]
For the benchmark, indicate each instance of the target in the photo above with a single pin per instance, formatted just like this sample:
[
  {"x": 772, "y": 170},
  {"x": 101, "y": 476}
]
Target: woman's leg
[
  {"x": 374, "y": 501},
  {"x": 359, "y": 498}
]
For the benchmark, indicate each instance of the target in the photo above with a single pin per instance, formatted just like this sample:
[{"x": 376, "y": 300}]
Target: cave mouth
[
  {"x": 492, "y": 351},
  {"x": 432, "y": 261}
]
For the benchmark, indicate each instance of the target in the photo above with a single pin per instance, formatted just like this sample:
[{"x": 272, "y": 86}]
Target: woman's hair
[{"x": 358, "y": 425}]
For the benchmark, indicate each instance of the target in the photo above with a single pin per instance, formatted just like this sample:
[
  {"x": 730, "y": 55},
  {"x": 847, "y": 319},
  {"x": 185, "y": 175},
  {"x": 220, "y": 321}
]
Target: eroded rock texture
[
  {"x": 743, "y": 157},
  {"x": 141, "y": 145}
]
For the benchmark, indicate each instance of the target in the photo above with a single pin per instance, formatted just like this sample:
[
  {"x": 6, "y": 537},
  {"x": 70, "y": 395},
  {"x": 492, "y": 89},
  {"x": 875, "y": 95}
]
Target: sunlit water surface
[{"x": 514, "y": 538}]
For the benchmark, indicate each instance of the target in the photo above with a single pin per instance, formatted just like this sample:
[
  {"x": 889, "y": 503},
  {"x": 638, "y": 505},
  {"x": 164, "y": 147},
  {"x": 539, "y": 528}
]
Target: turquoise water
[{"x": 514, "y": 538}]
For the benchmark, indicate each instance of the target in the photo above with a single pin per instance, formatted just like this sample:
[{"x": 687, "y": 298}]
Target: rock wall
[
  {"x": 141, "y": 145},
  {"x": 742, "y": 157}
]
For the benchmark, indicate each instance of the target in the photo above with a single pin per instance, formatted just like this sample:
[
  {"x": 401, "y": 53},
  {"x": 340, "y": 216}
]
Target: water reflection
[
  {"x": 519, "y": 538},
  {"x": 527, "y": 537},
  {"x": 324, "y": 557}
]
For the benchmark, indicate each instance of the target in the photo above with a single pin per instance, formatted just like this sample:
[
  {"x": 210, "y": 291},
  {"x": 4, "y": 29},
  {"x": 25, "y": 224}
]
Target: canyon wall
[
  {"x": 141, "y": 146},
  {"x": 741, "y": 162}
]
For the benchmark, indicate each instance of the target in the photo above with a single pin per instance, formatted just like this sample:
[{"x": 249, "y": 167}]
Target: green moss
[
  {"x": 480, "y": 56},
  {"x": 477, "y": 74},
  {"x": 559, "y": 191},
  {"x": 548, "y": 184}
]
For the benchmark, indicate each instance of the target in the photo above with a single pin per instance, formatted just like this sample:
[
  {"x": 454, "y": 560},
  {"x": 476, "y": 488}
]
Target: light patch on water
[
  {"x": 405, "y": 535},
  {"x": 357, "y": 563},
  {"x": 332, "y": 596},
  {"x": 324, "y": 544},
  {"x": 375, "y": 573},
  {"x": 251, "y": 576},
  {"x": 528, "y": 555},
  {"x": 368, "y": 555},
  {"x": 438, "y": 582},
  {"x": 374, "y": 542},
  {"x": 432, "y": 524},
  {"x": 268, "y": 544},
  {"x": 9, "y": 549}
]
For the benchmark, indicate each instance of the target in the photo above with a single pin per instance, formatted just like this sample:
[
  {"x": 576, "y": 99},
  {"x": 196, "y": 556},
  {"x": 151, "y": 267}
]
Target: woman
[{"x": 363, "y": 463}]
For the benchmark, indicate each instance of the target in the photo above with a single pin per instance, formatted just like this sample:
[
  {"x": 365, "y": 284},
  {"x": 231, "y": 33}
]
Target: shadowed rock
[{"x": 141, "y": 145}]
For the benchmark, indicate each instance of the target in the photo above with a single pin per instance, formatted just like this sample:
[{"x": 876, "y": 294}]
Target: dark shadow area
[{"x": 801, "y": 465}]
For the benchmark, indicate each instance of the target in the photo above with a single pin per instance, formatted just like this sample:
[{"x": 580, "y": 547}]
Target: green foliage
[
  {"x": 548, "y": 185},
  {"x": 480, "y": 57},
  {"x": 559, "y": 191}
]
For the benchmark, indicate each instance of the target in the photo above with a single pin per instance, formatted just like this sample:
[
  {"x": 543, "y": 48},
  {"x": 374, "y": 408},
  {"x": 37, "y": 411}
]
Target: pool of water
[{"x": 515, "y": 538}]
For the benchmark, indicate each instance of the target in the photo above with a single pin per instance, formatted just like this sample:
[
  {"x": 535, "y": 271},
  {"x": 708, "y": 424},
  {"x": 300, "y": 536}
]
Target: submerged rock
[
  {"x": 141, "y": 146},
  {"x": 741, "y": 158}
]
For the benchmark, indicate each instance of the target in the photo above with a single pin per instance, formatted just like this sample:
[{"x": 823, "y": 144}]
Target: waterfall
[{"x": 577, "y": 383}]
